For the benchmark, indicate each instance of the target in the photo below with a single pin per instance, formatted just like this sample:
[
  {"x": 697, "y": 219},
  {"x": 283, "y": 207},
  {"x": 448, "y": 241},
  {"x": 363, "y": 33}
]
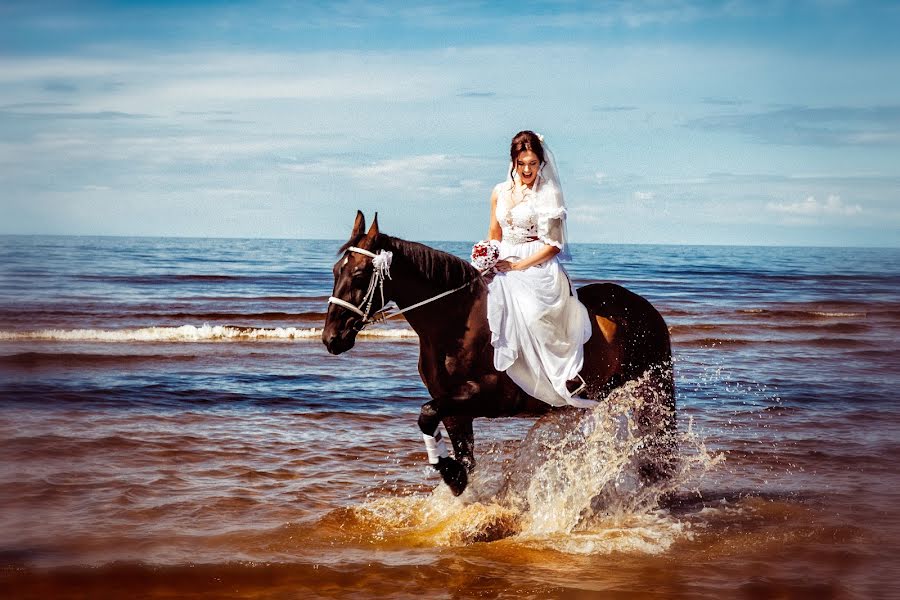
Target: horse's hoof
[{"x": 454, "y": 475}]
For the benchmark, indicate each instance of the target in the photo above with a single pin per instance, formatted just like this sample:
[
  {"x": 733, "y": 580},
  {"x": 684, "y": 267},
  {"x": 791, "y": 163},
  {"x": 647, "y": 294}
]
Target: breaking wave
[{"x": 192, "y": 333}]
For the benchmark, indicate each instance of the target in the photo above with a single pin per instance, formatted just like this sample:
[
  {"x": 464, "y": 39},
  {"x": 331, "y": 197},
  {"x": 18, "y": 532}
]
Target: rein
[{"x": 382, "y": 271}]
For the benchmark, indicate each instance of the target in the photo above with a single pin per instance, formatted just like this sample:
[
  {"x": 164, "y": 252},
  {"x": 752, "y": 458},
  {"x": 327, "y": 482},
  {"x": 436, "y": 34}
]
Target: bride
[{"x": 538, "y": 326}]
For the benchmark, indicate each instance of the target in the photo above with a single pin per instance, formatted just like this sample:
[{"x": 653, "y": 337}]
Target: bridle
[{"x": 382, "y": 270}]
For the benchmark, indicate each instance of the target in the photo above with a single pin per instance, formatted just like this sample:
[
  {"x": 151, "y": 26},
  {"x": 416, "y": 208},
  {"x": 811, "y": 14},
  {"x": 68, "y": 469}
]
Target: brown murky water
[
  {"x": 266, "y": 502},
  {"x": 181, "y": 462}
]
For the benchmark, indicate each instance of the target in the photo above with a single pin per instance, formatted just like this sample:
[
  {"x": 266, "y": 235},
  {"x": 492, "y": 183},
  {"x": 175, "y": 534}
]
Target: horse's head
[{"x": 353, "y": 276}]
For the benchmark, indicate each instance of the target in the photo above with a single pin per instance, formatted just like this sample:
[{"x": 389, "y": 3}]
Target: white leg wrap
[{"x": 436, "y": 446}]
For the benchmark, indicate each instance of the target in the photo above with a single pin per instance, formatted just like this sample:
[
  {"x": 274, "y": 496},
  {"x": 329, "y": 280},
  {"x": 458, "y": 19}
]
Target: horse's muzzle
[{"x": 338, "y": 342}]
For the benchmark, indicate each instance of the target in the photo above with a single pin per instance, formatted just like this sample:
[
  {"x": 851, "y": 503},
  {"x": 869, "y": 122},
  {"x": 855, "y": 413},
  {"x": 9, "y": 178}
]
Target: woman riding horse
[{"x": 629, "y": 340}]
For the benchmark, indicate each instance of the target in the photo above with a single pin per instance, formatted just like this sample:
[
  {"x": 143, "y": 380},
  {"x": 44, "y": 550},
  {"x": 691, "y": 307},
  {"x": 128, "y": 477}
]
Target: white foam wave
[{"x": 191, "y": 333}]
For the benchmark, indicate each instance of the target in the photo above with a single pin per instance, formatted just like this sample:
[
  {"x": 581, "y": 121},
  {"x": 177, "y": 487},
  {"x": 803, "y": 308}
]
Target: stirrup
[{"x": 580, "y": 388}]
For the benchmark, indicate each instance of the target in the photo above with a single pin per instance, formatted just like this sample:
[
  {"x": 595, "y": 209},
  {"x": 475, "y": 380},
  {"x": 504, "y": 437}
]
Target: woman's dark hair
[{"x": 523, "y": 141}]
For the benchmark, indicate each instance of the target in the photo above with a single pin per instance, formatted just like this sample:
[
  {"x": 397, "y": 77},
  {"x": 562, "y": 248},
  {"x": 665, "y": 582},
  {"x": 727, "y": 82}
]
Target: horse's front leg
[
  {"x": 463, "y": 438},
  {"x": 452, "y": 471}
]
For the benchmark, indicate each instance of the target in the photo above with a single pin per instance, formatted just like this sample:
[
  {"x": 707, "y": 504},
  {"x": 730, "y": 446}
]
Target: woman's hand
[
  {"x": 502, "y": 266},
  {"x": 538, "y": 258},
  {"x": 512, "y": 264},
  {"x": 505, "y": 265}
]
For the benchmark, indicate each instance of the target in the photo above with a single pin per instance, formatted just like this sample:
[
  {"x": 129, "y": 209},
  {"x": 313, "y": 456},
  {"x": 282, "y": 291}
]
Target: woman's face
[{"x": 527, "y": 166}]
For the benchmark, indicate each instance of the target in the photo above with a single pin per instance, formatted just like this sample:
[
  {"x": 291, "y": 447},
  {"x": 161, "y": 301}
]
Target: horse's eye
[{"x": 358, "y": 272}]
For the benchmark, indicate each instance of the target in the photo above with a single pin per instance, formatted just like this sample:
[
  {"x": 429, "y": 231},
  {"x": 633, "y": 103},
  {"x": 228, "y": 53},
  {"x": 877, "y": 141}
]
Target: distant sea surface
[{"x": 171, "y": 425}]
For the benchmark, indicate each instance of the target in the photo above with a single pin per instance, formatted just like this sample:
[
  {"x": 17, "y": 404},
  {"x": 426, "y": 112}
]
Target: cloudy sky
[{"x": 737, "y": 122}]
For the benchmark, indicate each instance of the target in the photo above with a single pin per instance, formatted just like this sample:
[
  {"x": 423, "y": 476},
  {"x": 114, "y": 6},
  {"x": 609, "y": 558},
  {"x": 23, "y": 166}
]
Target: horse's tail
[{"x": 647, "y": 358}]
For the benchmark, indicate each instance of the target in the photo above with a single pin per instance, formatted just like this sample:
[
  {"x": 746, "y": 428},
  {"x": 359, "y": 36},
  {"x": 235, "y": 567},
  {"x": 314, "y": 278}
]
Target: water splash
[{"x": 573, "y": 485}]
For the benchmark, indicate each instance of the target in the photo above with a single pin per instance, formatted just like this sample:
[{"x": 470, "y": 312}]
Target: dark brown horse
[{"x": 630, "y": 341}]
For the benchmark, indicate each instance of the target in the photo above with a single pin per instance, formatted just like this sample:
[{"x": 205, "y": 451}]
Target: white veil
[{"x": 549, "y": 203}]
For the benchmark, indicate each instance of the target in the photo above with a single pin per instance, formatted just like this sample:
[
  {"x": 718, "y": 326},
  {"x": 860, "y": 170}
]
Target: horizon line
[{"x": 339, "y": 241}]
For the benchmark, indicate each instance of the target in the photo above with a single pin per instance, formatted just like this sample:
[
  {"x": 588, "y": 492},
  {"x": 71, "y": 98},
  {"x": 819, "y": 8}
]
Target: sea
[{"x": 172, "y": 426}]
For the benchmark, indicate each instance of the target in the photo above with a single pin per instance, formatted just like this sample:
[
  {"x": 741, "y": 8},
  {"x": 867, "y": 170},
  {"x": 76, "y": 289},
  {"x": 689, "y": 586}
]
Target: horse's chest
[
  {"x": 451, "y": 376},
  {"x": 451, "y": 365}
]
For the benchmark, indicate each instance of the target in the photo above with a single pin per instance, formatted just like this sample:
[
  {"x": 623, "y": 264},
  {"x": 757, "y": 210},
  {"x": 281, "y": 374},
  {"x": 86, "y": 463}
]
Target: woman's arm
[
  {"x": 494, "y": 231},
  {"x": 544, "y": 254}
]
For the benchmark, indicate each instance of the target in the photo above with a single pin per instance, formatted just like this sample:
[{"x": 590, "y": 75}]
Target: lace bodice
[
  {"x": 528, "y": 215},
  {"x": 519, "y": 225}
]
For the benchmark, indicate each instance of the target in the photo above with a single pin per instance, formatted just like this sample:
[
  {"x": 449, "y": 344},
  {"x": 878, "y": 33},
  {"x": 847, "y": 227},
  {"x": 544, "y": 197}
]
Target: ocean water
[{"x": 171, "y": 425}]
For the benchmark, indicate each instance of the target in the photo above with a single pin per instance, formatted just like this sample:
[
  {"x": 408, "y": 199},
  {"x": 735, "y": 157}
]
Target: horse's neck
[{"x": 434, "y": 318}]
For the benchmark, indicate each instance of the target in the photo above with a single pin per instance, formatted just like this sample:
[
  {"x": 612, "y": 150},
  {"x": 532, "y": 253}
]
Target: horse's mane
[{"x": 434, "y": 265}]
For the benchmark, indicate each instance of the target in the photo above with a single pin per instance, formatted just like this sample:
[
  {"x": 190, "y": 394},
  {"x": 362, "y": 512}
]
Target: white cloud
[
  {"x": 168, "y": 83},
  {"x": 586, "y": 213},
  {"x": 18, "y": 70},
  {"x": 176, "y": 148},
  {"x": 832, "y": 207},
  {"x": 643, "y": 13},
  {"x": 222, "y": 192},
  {"x": 426, "y": 173},
  {"x": 381, "y": 128},
  {"x": 392, "y": 169}
]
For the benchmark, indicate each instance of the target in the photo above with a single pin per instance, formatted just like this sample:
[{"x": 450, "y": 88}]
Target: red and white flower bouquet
[{"x": 485, "y": 255}]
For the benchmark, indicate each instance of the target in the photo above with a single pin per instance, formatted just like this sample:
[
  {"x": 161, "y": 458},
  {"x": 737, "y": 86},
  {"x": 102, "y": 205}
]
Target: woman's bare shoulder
[{"x": 501, "y": 187}]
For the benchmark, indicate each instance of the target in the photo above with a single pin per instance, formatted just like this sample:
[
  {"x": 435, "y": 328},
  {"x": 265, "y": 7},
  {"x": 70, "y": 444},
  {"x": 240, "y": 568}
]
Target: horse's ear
[
  {"x": 373, "y": 230},
  {"x": 359, "y": 225}
]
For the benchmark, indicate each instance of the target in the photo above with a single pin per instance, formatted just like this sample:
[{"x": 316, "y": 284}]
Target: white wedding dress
[{"x": 538, "y": 326}]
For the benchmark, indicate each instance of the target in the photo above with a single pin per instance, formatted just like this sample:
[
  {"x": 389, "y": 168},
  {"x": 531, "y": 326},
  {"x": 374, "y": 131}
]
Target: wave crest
[{"x": 190, "y": 333}]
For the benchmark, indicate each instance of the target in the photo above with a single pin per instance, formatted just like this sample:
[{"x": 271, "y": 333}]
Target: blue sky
[{"x": 737, "y": 122}]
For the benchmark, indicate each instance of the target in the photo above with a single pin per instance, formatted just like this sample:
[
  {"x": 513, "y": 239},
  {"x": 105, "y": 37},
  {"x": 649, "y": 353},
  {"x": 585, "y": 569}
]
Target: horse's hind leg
[
  {"x": 452, "y": 471},
  {"x": 657, "y": 425}
]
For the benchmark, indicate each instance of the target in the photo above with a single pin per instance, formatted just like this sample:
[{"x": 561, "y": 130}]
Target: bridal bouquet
[{"x": 485, "y": 254}]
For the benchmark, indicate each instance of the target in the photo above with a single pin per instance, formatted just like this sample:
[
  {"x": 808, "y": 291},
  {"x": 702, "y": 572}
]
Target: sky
[{"x": 760, "y": 122}]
